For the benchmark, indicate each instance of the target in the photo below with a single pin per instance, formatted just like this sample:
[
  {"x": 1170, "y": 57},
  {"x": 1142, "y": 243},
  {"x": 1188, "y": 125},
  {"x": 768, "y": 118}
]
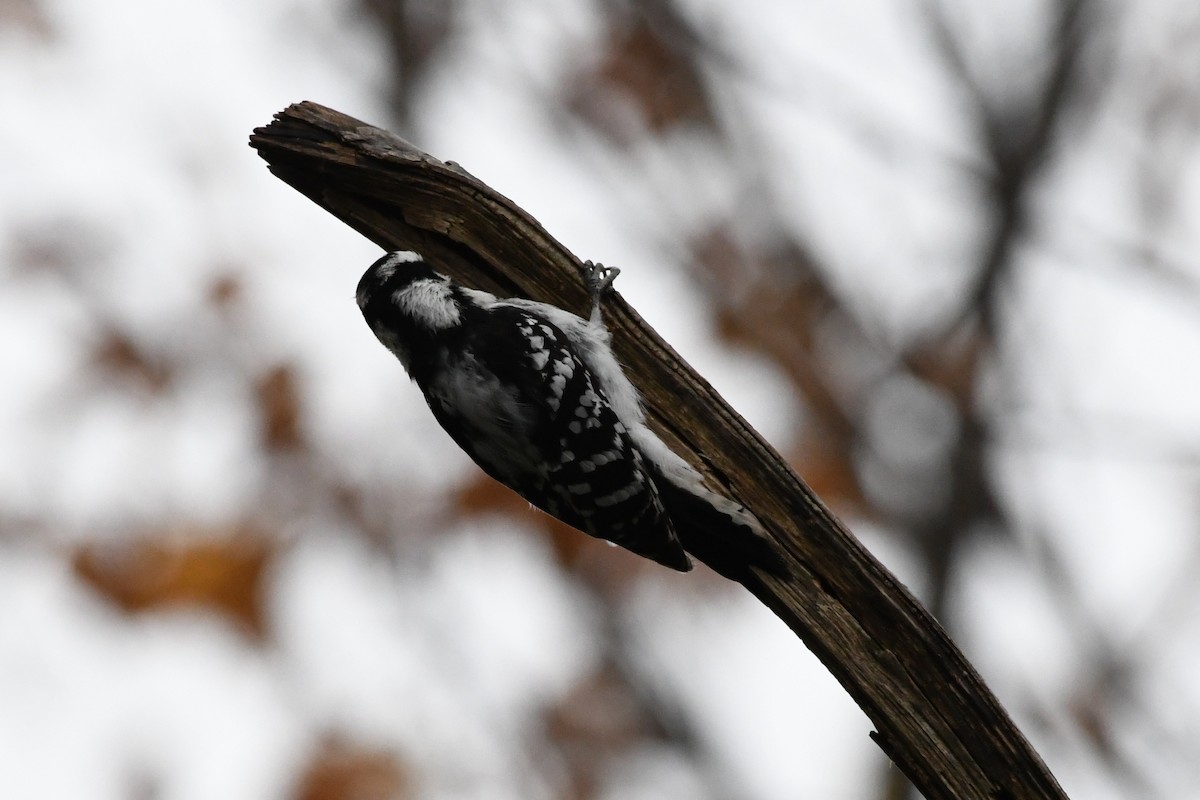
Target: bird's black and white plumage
[{"x": 536, "y": 398}]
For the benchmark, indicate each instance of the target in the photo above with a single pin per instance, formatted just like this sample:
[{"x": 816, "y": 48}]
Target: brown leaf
[
  {"x": 650, "y": 64},
  {"x": 340, "y": 770},
  {"x": 954, "y": 363},
  {"x": 279, "y": 409},
  {"x": 600, "y": 719},
  {"x": 828, "y": 469},
  {"x": 223, "y": 574},
  {"x": 483, "y": 495},
  {"x": 225, "y": 291},
  {"x": 117, "y": 354}
]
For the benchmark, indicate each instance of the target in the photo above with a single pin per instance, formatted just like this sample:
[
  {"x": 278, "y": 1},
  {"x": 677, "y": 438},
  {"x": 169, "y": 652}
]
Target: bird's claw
[{"x": 599, "y": 278}]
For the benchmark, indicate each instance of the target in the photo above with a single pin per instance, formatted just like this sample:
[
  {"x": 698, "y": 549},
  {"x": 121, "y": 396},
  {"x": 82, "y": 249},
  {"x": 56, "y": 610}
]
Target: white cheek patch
[{"x": 429, "y": 302}]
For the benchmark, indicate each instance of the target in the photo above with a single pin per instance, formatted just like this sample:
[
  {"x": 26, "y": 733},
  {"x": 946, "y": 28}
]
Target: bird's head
[{"x": 405, "y": 301}]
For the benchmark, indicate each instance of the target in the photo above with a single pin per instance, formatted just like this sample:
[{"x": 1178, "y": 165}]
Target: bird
[{"x": 536, "y": 397}]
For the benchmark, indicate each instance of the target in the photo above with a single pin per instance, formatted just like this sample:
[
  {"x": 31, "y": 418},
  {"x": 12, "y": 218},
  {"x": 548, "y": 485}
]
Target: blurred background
[{"x": 942, "y": 254}]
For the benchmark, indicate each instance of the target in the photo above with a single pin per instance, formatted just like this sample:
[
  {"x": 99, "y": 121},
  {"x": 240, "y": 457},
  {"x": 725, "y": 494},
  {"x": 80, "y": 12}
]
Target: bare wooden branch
[{"x": 934, "y": 716}]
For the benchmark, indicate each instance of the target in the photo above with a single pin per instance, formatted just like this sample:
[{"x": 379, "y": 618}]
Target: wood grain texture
[{"x": 933, "y": 714}]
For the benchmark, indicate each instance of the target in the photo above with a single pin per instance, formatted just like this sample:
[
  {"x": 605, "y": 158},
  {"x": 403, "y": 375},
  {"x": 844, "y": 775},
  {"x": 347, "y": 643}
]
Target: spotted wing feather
[{"x": 579, "y": 464}]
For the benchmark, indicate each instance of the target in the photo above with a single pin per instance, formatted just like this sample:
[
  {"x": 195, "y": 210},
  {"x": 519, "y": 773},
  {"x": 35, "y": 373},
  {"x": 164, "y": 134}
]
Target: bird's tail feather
[{"x": 720, "y": 533}]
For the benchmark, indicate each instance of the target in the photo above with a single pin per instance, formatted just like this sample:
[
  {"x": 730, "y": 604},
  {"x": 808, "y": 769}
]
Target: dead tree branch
[{"x": 934, "y": 716}]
